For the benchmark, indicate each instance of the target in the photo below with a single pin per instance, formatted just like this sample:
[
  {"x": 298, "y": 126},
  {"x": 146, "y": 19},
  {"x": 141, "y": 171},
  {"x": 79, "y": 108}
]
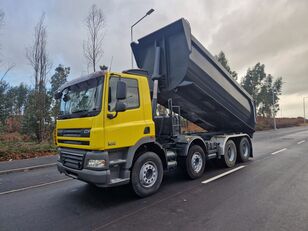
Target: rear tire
[
  {"x": 244, "y": 149},
  {"x": 147, "y": 174},
  {"x": 230, "y": 154},
  {"x": 195, "y": 162}
]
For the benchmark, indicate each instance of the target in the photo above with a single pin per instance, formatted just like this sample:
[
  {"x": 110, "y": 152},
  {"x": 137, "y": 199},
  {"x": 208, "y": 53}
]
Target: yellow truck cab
[
  {"x": 108, "y": 131},
  {"x": 97, "y": 139}
]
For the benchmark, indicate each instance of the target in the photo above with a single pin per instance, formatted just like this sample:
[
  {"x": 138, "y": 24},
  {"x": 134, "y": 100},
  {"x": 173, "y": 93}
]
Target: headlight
[{"x": 96, "y": 163}]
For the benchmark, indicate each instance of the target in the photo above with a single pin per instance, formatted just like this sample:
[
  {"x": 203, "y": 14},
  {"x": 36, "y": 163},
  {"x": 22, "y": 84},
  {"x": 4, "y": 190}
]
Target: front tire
[
  {"x": 195, "y": 162},
  {"x": 147, "y": 174}
]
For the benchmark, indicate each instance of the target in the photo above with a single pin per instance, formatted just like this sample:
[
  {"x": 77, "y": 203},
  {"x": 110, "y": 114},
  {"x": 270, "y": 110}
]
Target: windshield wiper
[
  {"x": 64, "y": 116},
  {"x": 82, "y": 113},
  {"x": 79, "y": 111}
]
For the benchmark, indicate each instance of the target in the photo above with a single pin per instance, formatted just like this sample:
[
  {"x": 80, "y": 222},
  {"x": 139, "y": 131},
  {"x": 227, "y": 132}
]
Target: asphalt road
[{"x": 269, "y": 193}]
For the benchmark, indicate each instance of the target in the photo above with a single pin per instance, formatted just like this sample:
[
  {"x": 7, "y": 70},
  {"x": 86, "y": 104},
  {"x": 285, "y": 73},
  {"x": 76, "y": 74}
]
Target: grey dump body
[{"x": 206, "y": 93}]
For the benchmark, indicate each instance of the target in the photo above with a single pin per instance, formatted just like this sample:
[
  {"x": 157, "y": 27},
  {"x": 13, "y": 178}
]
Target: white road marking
[
  {"x": 281, "y": 150},
  {"x": 302, "y": 141},
  {"x": 26, "y": 168},
  {"x": 222, "y": 175},
  {"x": 33, "y": 186}
]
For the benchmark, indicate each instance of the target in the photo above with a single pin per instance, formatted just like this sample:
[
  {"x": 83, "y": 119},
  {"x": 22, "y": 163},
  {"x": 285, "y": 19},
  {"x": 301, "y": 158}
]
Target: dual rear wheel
[
  {"x": 195, "y": 160},
  {"x": 241, "y": 150}
]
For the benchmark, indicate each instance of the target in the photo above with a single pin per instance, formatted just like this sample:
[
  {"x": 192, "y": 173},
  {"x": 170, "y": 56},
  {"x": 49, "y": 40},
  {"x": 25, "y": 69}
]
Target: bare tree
[
  {"x": 38, "y": 59},
  {"x": 92, "y": 48},
  {"x": 37, "y": 55}
]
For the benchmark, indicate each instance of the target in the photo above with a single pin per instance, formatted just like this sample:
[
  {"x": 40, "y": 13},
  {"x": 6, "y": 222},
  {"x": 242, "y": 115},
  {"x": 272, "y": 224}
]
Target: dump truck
[{"x": 109, "y": 133}]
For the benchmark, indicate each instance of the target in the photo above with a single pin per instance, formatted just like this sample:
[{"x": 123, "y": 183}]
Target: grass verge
[{"x": 16, "y": 150}]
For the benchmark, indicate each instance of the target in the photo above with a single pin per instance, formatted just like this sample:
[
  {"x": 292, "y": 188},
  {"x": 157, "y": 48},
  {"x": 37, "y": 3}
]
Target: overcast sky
[{"x": 274, "y": 33}]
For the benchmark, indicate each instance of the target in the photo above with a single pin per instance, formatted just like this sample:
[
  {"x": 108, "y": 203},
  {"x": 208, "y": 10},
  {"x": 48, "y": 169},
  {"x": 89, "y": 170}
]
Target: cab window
[{"x": 132, "y": 97}]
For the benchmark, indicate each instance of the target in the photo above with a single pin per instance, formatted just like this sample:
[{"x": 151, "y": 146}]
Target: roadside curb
[
  {"x": 7, "y": 167},
  {"x": 8, "y": 171}
]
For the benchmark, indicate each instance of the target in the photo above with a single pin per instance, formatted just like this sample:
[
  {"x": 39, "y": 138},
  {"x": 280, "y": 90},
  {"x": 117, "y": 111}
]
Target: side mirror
[
  {"x": 66, "y": 98},
  {"x": 58, "y": 95},
  {"x": 121, "y": 90},
  {"x": 120, "y": 107}
]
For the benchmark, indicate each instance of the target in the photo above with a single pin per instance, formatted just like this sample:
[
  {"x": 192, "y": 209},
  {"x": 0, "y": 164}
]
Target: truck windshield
[{"x": 82, "y": 99}]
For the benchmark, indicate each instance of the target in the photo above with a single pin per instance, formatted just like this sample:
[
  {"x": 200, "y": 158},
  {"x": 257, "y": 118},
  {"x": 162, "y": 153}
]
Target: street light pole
[
  {"x": 304, "y": 106},
  {"x": 131, "y": 32},
  {"x": 275, "y": 128}
]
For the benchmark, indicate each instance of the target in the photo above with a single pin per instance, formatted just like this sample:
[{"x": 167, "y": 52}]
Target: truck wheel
[
  {"x": 195, "y": 162},
  {"x": 244, "y": 149},
  {"x": 147, "y": 174},
  {"x": 230, "y": 154}
]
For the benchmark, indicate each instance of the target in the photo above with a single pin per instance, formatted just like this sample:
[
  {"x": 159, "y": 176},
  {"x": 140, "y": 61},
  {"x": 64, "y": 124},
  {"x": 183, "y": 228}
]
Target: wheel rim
[
  {"x": 245, "y": 150},
  {"x": 196, "y": 162},
  {"x": 231, "y": 153},
  {"x": 148, "y": 174}
]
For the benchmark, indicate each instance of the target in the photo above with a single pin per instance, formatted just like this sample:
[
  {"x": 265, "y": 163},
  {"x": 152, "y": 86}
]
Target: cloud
[{"x": 272, "y": 32}]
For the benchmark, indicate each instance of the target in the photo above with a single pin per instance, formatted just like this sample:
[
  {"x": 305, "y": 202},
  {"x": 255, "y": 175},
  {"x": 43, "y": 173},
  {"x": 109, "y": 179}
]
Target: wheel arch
[
  {"x": 195, "y": 141},
  {"x": 142, "y": 146}
]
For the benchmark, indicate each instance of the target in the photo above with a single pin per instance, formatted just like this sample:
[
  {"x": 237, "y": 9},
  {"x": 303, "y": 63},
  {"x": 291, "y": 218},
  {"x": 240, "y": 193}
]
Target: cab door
[{"x": 127, "y": 127}]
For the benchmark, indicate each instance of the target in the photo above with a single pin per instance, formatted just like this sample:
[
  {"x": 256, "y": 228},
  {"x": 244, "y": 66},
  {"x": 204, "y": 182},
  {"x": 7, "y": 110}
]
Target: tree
[
  {"x": 263, "y": 88},
  {"x": 253, "y": 80},
  {"x": 15, "y": 98},
  {"x": 3, "y": 110},
  {"x": 21, "y": 96},
  {"x": 221, "y": 57},
  {"x": 31, "y": 120},
  {"x": 37, "y": 55},
  {"x": 269, "y": 96},
  {"x": 12, "y": 102},
  {"x": 58, "y": 79},
  {"x": 39, "y": 60},
  {"x": 95, "y": 24}
]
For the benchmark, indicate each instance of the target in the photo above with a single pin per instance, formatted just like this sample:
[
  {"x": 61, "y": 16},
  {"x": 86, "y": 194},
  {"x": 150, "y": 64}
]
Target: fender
[
  {"x": 132, "y": 150},
  {"x": 190, "y": 140}
]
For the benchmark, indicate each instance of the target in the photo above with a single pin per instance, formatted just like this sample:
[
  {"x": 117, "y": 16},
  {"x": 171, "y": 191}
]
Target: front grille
[
  {"x": 72, "y": 158},
  {"x": 79, "y": 142},
  {"x": 74, "y": 132}
]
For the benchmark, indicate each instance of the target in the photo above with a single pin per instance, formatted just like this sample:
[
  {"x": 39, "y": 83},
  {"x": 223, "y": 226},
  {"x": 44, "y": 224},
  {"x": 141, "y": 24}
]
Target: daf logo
[{"x": 111, "y": 143}]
